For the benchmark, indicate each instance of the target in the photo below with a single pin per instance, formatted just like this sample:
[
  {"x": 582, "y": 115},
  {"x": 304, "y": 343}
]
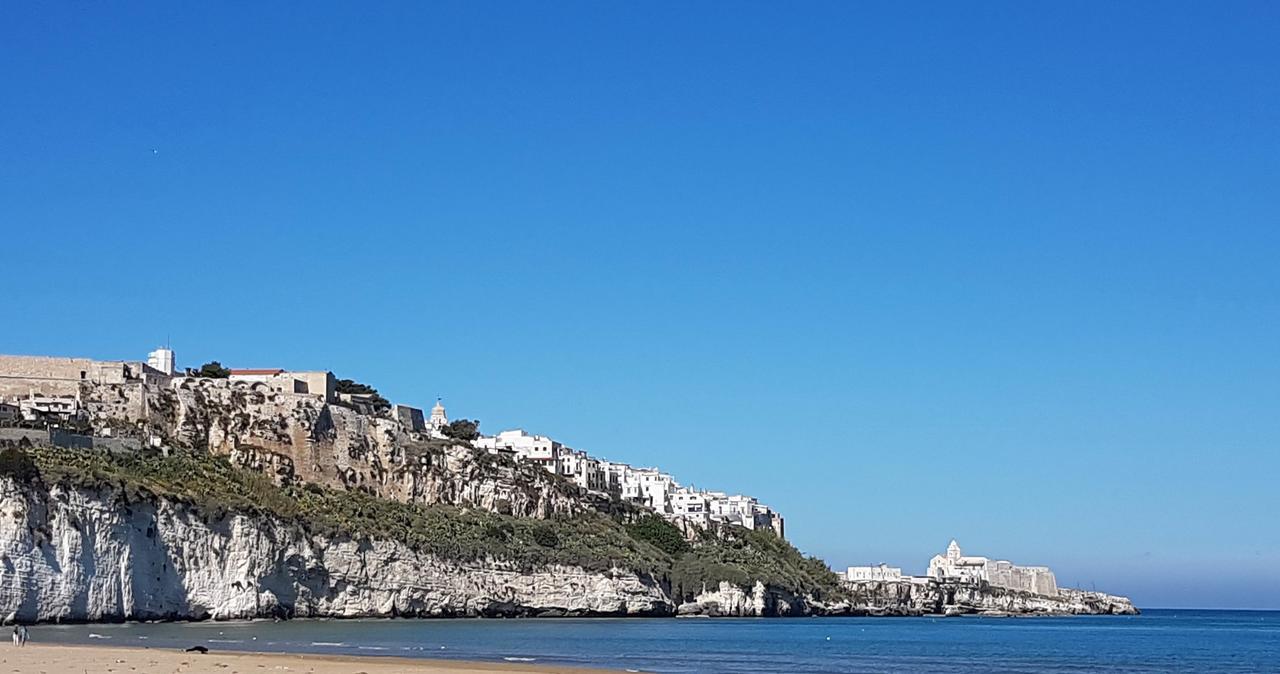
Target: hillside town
[{"x": 44, "y": 394}]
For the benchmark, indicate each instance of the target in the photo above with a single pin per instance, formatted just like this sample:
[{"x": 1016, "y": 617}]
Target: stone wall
[
  {"x": 71, "y": 369},
  {"x": 22, "y": 376}
]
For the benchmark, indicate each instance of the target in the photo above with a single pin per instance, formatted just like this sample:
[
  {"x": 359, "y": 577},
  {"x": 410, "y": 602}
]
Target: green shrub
[
  {"x": 742, "y": 557},
  {"x": 545, "y": 536},
  {"x": 214, "y": 370},
  {"x": 18, "y": 465},
  {"x": 462, "y": 429},
  {"x": 659, "y": 533}
]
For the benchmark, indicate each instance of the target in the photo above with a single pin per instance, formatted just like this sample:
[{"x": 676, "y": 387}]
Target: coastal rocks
[
  {"x": 729, "y": 600},
  {"x": 71, "y": 554},
  {"x": 929, "y": 596}
]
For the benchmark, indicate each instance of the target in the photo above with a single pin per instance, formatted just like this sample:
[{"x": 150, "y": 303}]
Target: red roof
[{"x": 277, "y": 371}]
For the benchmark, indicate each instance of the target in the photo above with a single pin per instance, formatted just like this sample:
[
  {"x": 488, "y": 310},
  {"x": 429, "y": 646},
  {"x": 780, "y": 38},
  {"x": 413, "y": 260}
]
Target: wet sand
[{"x": 58, "y": 659}]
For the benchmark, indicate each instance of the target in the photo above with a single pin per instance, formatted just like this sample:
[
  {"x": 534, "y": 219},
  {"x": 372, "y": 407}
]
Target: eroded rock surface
[{"x": 71, "y": 554}]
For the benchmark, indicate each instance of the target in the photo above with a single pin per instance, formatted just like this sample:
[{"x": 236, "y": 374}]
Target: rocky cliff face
[
  {"x": 299, "y": 438},
  {"x": 729, "y": 600},
  {"x": 70, "y": 554}
]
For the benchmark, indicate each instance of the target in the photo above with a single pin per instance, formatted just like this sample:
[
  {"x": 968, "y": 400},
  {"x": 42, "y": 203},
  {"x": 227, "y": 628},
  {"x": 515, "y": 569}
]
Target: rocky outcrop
[
  {"x": 71, "y": 554},
  {"x": 729, "y": 600},
  {"x": 903, "y": 598},
  {"x": 300, "y": 438},
  {"x": 929, "y": 596}
]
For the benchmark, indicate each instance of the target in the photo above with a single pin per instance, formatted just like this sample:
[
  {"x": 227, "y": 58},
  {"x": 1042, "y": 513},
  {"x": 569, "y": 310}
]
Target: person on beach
[
  {"x": 15, "y": 635},
  {"x": 23, "y": 635}
]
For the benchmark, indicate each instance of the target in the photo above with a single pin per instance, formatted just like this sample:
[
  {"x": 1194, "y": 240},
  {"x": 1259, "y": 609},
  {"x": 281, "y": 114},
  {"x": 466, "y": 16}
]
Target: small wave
[
  {"x": 94, "y": 635},
  {"x": 521, "y": 659},
  {"x": 226, "y": 641},
  {"x": 338, "y": 644},
  {"x": 371, "y": 648}
]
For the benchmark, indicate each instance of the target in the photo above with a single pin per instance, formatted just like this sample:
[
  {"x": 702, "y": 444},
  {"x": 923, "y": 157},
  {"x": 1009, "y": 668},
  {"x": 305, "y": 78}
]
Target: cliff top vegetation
[{"x": 214, "y": 489}]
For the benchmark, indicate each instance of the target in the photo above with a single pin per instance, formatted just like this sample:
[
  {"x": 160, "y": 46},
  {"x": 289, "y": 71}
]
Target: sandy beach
[{"x": 45, "y": 659}]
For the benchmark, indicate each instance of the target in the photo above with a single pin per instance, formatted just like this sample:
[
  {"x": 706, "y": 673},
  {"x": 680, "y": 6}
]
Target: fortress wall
[
  {"x": 12, "y": 388},
  {"x": 69, "y": 369}
]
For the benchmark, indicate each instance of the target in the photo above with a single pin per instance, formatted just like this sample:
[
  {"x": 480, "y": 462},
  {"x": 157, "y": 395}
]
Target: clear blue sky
[{"x": 1007, "y": 272}]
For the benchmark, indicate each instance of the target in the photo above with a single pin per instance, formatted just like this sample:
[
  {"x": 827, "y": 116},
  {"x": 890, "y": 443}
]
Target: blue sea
[{"x": 1157, "y": 641}]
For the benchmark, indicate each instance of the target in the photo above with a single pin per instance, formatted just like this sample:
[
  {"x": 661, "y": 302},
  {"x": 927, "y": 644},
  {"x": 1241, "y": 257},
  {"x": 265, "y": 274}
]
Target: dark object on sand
[{"x": 197, "y": 649}]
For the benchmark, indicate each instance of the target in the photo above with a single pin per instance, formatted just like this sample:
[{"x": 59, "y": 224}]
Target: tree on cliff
[
  {"x": 18, "y": 465},
  {"x": 213, "y": 370},
  {"x": 375, "y": 399},
  {"x": 462, "y": 429},
  {"x": 660, "y": 533}
]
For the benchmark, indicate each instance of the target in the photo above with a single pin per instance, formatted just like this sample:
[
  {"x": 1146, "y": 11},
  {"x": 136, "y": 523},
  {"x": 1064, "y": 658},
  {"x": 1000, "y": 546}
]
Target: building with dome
[{"x": 438, "y": 418}]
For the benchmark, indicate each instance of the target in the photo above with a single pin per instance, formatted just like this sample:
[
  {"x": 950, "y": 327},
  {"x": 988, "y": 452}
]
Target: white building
[
  {"x": 955, "y": 565},
  {"x": 656, "y": 488},
  {"x": 878, "y": 572},
  {"x": 162, "y": 359},
  {"x": 620, "y": 480},
  {"x": 1001, "y": 573},
  {"x": 44, "y": 408},
  {"x": 537, "y": 449},
  {"x": 583, "y": 470},
  {"x": 691, "y": 505},
  {"x": 647, "y": 487},
  {"x": 438, "y": 418}
]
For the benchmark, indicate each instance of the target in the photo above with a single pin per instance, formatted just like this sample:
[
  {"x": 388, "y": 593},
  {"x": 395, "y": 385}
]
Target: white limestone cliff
[{"x": 70, "y": 554}]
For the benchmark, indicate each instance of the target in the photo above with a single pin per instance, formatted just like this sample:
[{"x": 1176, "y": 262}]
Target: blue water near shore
[{"x": 1157, "y": 641}]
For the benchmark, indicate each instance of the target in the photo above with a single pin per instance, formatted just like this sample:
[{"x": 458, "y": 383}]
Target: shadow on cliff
[{"x": 157, "y": 585}]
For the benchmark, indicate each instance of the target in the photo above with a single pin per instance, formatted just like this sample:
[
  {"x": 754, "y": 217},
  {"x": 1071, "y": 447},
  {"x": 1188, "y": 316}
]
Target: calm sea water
[{"x": 1157, "y": 641}]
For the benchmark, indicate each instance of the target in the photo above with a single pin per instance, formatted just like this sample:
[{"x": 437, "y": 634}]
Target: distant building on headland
[
  {"x": 955, "y": 566},
  {"x": 877, "y": 572}
]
